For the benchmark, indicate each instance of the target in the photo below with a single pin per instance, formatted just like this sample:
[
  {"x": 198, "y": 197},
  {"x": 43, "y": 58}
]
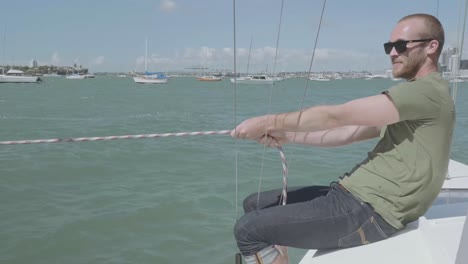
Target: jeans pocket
[{"x": 369, "y": 232}]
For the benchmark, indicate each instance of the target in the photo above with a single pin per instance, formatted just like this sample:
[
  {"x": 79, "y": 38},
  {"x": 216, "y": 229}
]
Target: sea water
[{"x": 157, "y": 200}]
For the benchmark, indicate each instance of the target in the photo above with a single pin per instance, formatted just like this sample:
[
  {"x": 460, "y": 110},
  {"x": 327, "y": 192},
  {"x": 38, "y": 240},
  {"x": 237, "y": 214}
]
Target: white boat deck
[
  {"x": 436, "y": 238},
  {"x": 254, "y": 79}
]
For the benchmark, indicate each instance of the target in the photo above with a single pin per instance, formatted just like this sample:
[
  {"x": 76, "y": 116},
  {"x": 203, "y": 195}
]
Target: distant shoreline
[{"x": 46, "y": 69}]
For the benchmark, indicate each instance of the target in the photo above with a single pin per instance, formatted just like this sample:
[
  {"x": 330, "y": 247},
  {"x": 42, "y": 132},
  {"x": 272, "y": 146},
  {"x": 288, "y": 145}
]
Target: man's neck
[{"x": 427, "y": 68}]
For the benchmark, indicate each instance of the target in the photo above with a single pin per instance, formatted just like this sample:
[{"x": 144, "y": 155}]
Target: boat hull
[
  {"x": 209, "y": 79},
  {"x": 75, "y": 77},
  {"x": 241, "y": 81},
  {"x": 19, "y": 79},
  {"x": 146, "y": 80}
]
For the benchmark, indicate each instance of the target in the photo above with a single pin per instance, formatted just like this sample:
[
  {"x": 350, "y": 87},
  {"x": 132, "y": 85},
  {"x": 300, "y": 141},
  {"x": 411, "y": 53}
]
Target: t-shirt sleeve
[{"x": 415, "y": 101}]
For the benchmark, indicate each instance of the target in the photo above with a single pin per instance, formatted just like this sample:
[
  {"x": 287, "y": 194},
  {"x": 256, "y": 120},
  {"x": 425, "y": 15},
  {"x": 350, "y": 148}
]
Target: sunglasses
[{"x": 400, "y": 45}]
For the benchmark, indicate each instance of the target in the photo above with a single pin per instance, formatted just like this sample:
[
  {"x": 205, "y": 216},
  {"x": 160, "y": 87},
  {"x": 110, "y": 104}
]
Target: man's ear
[{"x": 433, "y": 45}]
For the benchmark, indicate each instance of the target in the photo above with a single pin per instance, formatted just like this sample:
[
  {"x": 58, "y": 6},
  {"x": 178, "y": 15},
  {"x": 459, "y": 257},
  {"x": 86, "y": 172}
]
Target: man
[{"x": 393, "y": 186}]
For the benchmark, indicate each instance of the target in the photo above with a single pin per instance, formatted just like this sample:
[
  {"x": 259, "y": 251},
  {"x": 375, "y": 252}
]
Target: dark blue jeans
[{"x": 315, "y": 217}]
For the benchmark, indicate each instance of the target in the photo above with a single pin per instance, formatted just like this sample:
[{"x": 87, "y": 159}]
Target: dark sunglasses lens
[
  {"x": 400, "y": 46},
  {"x": 388, "y": 47}
]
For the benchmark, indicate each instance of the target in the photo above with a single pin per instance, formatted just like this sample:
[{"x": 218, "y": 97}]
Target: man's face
[{"x": 406, "y": 64}]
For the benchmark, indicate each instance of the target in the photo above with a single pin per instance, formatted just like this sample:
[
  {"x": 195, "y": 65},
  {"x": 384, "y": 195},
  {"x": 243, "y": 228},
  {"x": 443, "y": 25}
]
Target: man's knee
[
  {"x": 246, "y": 236},
  {"x": 250, "y": 203},
  {"x": 241, "y": 229}
]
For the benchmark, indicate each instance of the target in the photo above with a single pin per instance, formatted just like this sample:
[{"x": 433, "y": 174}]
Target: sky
[{"x": 109, "y": 36}]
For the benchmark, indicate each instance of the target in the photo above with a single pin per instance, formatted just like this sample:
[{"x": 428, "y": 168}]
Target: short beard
[{"x": 410, "y": 68}]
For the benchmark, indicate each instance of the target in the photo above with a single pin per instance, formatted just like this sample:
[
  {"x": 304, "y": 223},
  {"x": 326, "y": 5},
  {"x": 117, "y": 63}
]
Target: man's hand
[
  {"x": 253, "y": 128},
  {"x": 274, "y": 139},
  {"x": 261, "y": 130}
]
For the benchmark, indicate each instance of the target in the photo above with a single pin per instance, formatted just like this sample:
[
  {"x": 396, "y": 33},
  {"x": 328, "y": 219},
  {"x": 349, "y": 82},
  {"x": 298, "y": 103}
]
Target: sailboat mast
[
  {"x": 248, "y": 59},
  {"x": 3, "y": 50},
  {"x": 460, "y": 51},
  {"x": 455, "y": 74},
  {"x": 146, "y": 54}
]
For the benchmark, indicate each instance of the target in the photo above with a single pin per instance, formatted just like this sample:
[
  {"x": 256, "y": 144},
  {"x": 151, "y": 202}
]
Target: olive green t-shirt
[{"x": 405, "y": 171}]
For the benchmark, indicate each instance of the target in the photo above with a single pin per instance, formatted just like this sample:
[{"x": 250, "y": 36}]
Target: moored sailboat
[{"x": 150, "y": 77}]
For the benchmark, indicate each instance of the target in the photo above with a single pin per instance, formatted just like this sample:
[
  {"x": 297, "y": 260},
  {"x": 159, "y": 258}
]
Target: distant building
[
  {"x": 448, "y": 61},
  {"x": 454, "y": 63},
  {"x": 446, "y": 55},
  {"x": 34, "y": 63},
  {"x": 464, "y": 65}
]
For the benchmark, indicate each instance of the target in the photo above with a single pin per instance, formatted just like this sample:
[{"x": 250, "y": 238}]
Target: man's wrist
[{"x": 272, "y": 122}]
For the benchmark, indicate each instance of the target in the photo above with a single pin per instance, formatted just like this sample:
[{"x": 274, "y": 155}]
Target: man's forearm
[
  {"x": 316, "y": 118},
  {"x": 333, "y": 137}
]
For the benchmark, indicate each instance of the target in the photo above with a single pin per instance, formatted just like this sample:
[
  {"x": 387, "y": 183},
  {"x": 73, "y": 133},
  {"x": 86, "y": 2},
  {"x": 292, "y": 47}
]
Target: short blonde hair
[{"x": 434, "y": 29}]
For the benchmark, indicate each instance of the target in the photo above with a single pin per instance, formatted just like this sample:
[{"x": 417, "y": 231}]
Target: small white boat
[
  {"x": 375, "y": 76},
  {"x": 254, "y": 79},
  {"x": 209, "y": 78},
  {"x": 75, "y": 76},
  {"x": 17, "y": 76},
  {"x": 51, "y": 75},
  {"x": 319, "y": 78}
]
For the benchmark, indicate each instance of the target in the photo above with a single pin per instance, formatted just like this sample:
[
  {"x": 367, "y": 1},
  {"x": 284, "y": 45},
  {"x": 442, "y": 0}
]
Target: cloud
[
  {"x": 156, "y": 63},
  {"x": 160, "y": 61},
  {"x": 98, "y": 60},
  {"x": 167, "y": 5}
]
